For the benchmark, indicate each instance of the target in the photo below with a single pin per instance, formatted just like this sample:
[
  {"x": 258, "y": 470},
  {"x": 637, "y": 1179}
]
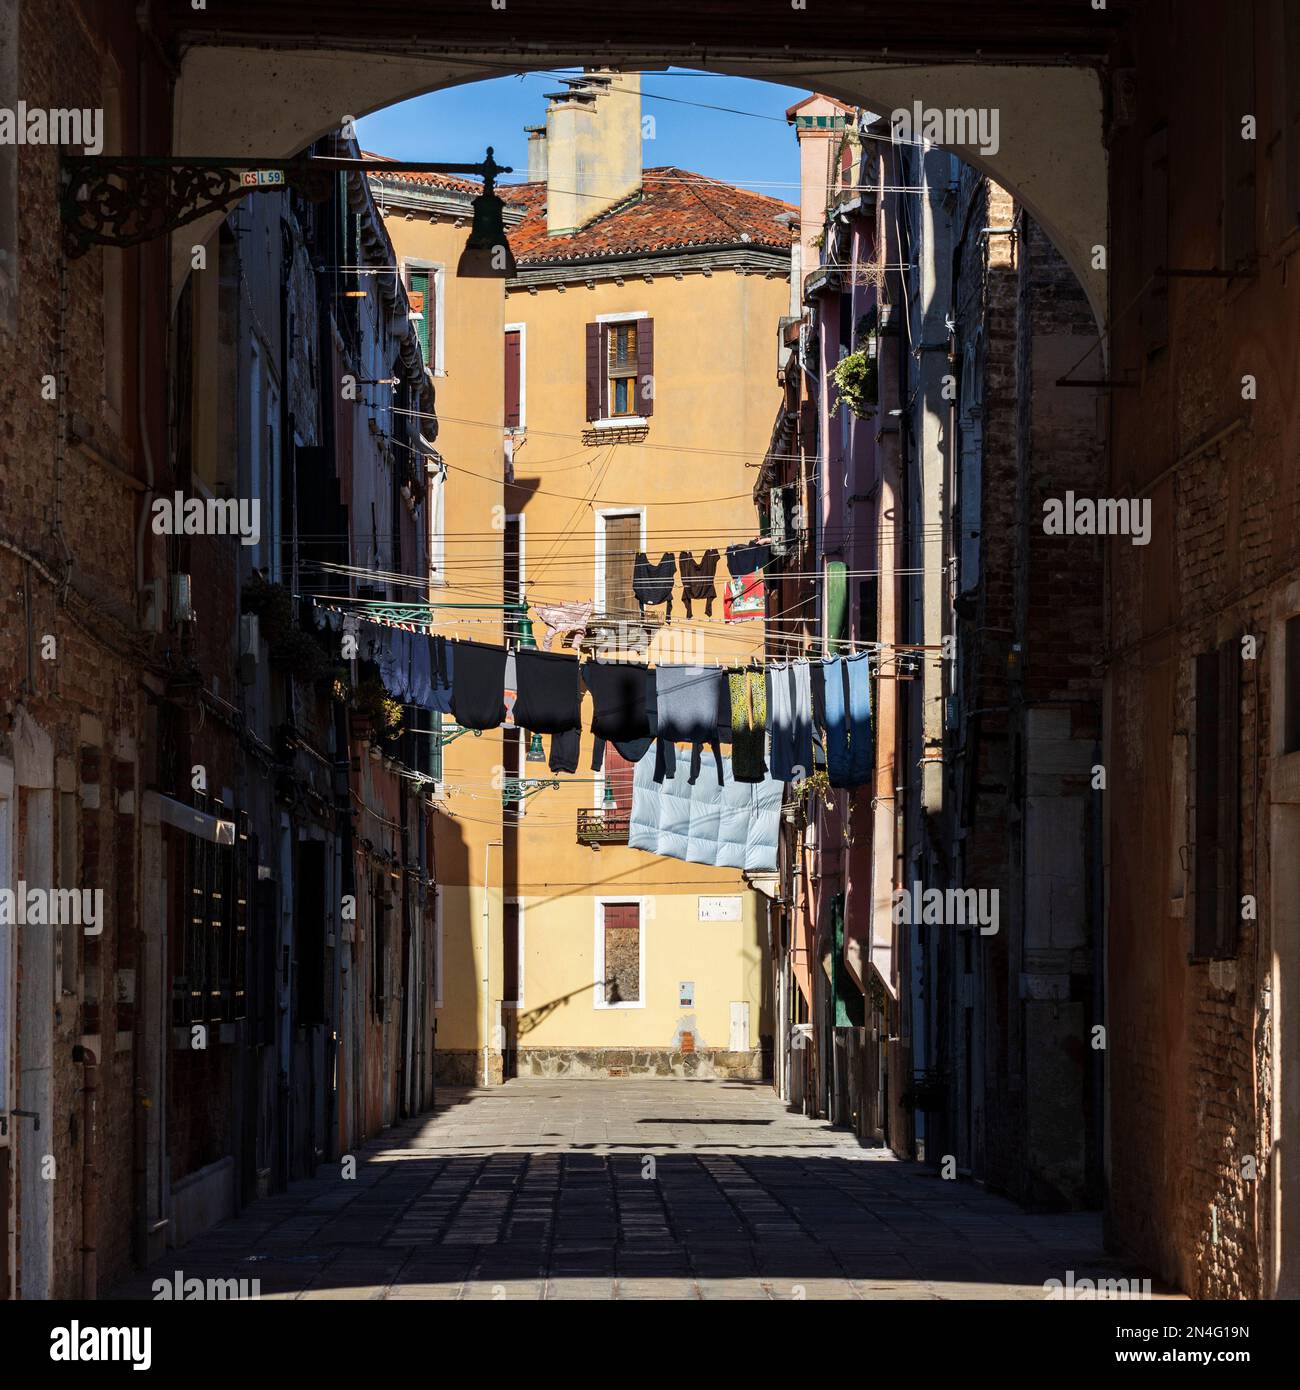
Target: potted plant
[{"x": 857, "y": 381}]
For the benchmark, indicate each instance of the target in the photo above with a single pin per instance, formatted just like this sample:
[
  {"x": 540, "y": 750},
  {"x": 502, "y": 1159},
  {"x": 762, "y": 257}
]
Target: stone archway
[{"x": 238, "y": 101}]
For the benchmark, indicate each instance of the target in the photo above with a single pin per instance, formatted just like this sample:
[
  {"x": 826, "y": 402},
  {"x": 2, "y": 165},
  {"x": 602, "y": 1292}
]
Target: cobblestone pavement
[{"x": 635, "y": 1189}]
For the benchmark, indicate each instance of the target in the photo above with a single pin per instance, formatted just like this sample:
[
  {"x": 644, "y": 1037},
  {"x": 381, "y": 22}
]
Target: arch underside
[{"x": 1051, "y": 156}]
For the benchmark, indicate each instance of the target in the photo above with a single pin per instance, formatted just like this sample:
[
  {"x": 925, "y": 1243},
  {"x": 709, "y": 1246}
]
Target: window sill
[{"x": 622, "y": 422}]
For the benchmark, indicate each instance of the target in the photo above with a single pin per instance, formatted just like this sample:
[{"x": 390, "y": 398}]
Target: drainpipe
[
  {"x": 89, "y": 1175},
  {"x": 487, "y": 960},
  {"x": 144, "y": 305}
]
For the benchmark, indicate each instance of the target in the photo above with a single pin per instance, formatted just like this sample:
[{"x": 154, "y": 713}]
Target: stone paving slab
[{"x": 636, "y": 1190}]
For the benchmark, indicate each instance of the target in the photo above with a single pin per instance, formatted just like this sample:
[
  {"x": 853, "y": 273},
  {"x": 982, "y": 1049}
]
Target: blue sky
[{"x": 755, "y": 150}]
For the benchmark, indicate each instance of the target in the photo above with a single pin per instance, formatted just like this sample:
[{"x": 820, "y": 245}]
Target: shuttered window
[
  {"x": 378, "y": 946},
  {"x": 620, "y": 369},
  {"x": 309, "y": 931},
  {"x": 422, "y": 741},
  {"x": 420, "y": 294},
  {"x": 620, "y": 356},
  {"x": 208, "y": 983},
  {"x": 616, "y": 798},
  {"x": 265, "y": 946},
  {"x": 514, "y": 379},
  {"x": 1216, "y": 821},
  {"x": 510, "y": 954},
  {"x": 622, "y": 541}
]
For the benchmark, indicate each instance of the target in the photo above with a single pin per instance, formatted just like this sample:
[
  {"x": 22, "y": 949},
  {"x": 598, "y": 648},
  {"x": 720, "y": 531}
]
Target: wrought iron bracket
[
  {"x": 125, "y": 200},
  {"x": 455, "y": 731},
  {"x": 516, "y": 789}
]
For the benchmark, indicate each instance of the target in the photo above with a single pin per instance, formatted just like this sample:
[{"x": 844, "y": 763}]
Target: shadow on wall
[{"x": 455, "y": 942}]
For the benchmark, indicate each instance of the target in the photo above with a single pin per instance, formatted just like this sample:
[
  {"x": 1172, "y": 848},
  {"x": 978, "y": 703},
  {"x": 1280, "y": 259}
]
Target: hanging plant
[
  {"x": 816, "y": 784},
  {"x": 856, "y": 380},
  {"x": 375, "y": 713}
]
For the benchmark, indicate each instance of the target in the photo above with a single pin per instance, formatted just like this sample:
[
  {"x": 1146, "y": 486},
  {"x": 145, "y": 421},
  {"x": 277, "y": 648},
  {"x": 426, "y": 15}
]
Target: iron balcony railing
[{"x": 606, "y": 826}]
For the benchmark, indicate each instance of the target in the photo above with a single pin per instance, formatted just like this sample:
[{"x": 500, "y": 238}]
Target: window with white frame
[
  {"x": 620, "y": 369},
  {"x": 620, "y": 955},
  {"x": 424, "y": 291},
  {"x": 516, "y": 377},
  {"x": 436, "y": 504}
]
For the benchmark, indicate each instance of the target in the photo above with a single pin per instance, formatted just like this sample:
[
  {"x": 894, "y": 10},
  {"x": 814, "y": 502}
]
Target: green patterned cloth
[{"x": 748, "y": 725}]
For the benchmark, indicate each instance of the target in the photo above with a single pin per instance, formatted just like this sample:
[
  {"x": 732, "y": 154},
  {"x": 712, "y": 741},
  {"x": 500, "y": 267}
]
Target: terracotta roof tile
[
  {"x": 675, "y": 210},
  {"x": 451, "y": 182}
]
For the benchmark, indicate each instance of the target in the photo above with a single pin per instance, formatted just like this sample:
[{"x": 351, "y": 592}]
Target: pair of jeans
[{"x": 847, "y": 691}]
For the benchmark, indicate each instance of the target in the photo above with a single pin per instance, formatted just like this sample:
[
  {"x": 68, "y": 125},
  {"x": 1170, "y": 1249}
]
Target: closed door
[{"x": 622, "y": 541}]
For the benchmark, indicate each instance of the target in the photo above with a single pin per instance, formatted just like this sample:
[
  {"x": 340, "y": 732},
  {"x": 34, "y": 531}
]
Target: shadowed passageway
[{"x": 545, "y": 1189}]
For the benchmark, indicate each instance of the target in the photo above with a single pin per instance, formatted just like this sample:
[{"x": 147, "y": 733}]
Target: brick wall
[
  {"x": 1190, "y": 1041},
  {"x": 68, "y": 515}
]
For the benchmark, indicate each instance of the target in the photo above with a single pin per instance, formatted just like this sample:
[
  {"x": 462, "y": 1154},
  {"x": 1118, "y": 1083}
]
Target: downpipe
[{"x": 89, "y": 1173}]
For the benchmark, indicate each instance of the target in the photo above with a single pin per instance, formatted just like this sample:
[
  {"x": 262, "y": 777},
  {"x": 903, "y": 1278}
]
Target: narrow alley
[
  {"x": 639, "y": 1189},
  {"x": 650, "y": 653}
]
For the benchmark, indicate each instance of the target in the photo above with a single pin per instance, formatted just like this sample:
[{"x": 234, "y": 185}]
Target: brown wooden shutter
[
  {"x": 619, "y": 774},
  {"x": 645, "y": 367},
  {"x": 622, "y": 540},
  {"x": 1217, "y": 820},
  {"x": 513, "y": 381},
  {"x": 510, "y": 953},
  {"x": 594, "y": 372}
]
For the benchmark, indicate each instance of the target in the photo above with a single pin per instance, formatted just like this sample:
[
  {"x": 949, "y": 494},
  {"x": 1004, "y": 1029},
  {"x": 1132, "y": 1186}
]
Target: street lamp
[
  {"x": 124, "y": 200},
  {"x": 487, "y": 253}
]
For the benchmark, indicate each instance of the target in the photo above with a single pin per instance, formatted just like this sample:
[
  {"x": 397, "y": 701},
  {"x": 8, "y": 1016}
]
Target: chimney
[
  {"x": 820, "y": 123},
  {"x": 536, "y": 153},
  {"x": 592, "y": 147}
]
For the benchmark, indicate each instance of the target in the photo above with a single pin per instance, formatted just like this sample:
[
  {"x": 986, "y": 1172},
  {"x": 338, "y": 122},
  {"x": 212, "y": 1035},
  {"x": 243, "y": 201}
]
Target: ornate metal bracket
[
  {"x": 125, "y": 200},
  {"x": 516, "y": 789},
  {"x": 452, "y": 732}
]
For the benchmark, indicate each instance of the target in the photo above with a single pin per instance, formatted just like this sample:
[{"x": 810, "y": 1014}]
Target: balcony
[
  {"x": 606, "y": 826},
  {"x": 615, "y": 634}
]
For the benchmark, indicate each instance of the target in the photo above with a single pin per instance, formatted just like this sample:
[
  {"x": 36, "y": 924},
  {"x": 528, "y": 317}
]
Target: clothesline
[{"x": 854, "y": 644}]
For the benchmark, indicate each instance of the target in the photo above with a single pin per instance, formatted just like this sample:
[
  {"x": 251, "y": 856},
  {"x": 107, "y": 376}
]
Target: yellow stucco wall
[{"x": 716, "y": 398}]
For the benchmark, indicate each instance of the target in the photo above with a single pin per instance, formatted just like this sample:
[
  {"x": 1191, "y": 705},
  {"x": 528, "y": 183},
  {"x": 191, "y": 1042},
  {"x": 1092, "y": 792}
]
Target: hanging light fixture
[{"x": 487, "y": 254}]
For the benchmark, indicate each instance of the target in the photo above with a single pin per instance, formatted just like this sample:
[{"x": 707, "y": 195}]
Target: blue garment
[
  {"x": 847, "y": 685},
  {"x": 442, "y": 673},
  {"x": 789, "y": 720}
]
